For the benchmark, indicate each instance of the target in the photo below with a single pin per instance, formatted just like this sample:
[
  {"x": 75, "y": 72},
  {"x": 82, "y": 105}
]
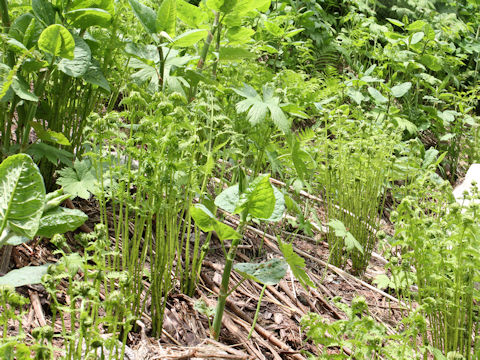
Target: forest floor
[{"x": 277, "y": 334}]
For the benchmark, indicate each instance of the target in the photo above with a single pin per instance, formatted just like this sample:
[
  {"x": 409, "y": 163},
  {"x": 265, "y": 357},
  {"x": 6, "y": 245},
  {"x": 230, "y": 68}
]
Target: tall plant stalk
[{"x": 222, "y": 296}]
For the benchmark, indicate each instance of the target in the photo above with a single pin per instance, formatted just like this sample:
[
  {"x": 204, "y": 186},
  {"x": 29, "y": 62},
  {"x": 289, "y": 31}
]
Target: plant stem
[
  {"x": 208, "y": 41},
  {"x": 222, "y": 297}
]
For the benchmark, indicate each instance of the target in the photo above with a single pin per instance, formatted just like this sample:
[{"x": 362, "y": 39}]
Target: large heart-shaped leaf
[
  {"x": 57, "y": 40},
  {"x": 28, "y": 275},
  {"x": 228, "y": 199},
  {"x": 22, "y": 195},
  {"x": 266, "y": 273},
  {"x": 80, "y": 63},
  {"x": 279, "y": 208},
  {"x": 60, "y": 220},
  {"x": 258, "y": 200}
]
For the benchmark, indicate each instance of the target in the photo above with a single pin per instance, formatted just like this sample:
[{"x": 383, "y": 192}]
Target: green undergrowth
[{"x": 173, "y": 118}]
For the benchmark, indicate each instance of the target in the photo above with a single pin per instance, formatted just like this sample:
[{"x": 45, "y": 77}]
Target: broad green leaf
[
  {"x": 377, "y": 95},
  {"x": 207, "y": 222},
  {"x": 189, "y": 38},
  {"x": 274, "y": 29},
  {"x": 16, "y": 45},
  {"x": 447, "y": 137},
  {"x": 28, "y": 275},
  {"x": 60, "y": 220},
  {"x": 26, "y": 29},
  {"x": 146, "y": 15},
  {"x": 239, "y": 35},
  {"x": 73, "y": 263},
  {"x": 225, "y": 232},
  {"x": 49, "y": 135},
  {"x": 382, "y": 281},
  {"x": 352, "y": 243},
  {"x": 355, "y": 95},
  {"x": 338, "y": 227},
  {"x": 296, "y": 263},
  {"x": 22, "y": 89},
  {"x": 203, "y": 217},
  {"x": 22, "y": 195},
  {"x": 417, "y": 37},
  {"x": 107, "y": 5},
  {"x": 294, "y": 32},
  {"x": 8, "y": 237},
  {"x": 78, "y": 181},
  {"x": 228, "y": 199},
  {"x": 54, "y": 199},
  {"x": 396, "y": 22},
  {"x": 295, "y": 110},
  {"x": 267, "y": 273},
  {"x": 167, "y": 17},
  {"x": 57, "y": 41},
  {"x": 191, "y": 15},
  {"x": 234, "y": 53},
  {"x": 6, "y": 79},
  {"x": 431, "y": 61},
  {"x": 224, "y": 6},
  {"x": 404, "y": 124},
  {"x": 86, "y": 13},
  {"x": 94, "y": 76},
  {"x": 258, "y": 200},
  {"x": 81, "y": 59},
  {"x": 401, "y": 89},
  {"x": 279, "y": 208},
  {"x": 44, "y": 11},
  {"x": 146, "y": 53},
  {"x": 268, "y": 48},
  {"x": 85, "y": 18},
  {"x": 41, "y": 150},
  {"x": 416, "y": 26}
]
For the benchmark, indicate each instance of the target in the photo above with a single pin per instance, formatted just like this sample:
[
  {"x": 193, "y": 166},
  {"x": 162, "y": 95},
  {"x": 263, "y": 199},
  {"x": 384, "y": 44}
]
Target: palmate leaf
[
  {"x": 78, "y": 181},
  {"x": 296, "y": 263},
  {"x": 341, "y": 231},
  {"x": 258, "y": 107}
]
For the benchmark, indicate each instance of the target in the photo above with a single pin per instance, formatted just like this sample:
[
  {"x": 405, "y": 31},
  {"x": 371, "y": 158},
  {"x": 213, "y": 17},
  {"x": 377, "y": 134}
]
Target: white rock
[{"x": 473, "y": 175}]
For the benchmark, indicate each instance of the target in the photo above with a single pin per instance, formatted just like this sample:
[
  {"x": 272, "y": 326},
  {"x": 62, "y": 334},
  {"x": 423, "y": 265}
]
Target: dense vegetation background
[{"x": 155, "y": 149}]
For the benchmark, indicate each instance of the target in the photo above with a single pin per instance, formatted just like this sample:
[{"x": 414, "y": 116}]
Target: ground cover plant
[{"x": 242, "y": 179}]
